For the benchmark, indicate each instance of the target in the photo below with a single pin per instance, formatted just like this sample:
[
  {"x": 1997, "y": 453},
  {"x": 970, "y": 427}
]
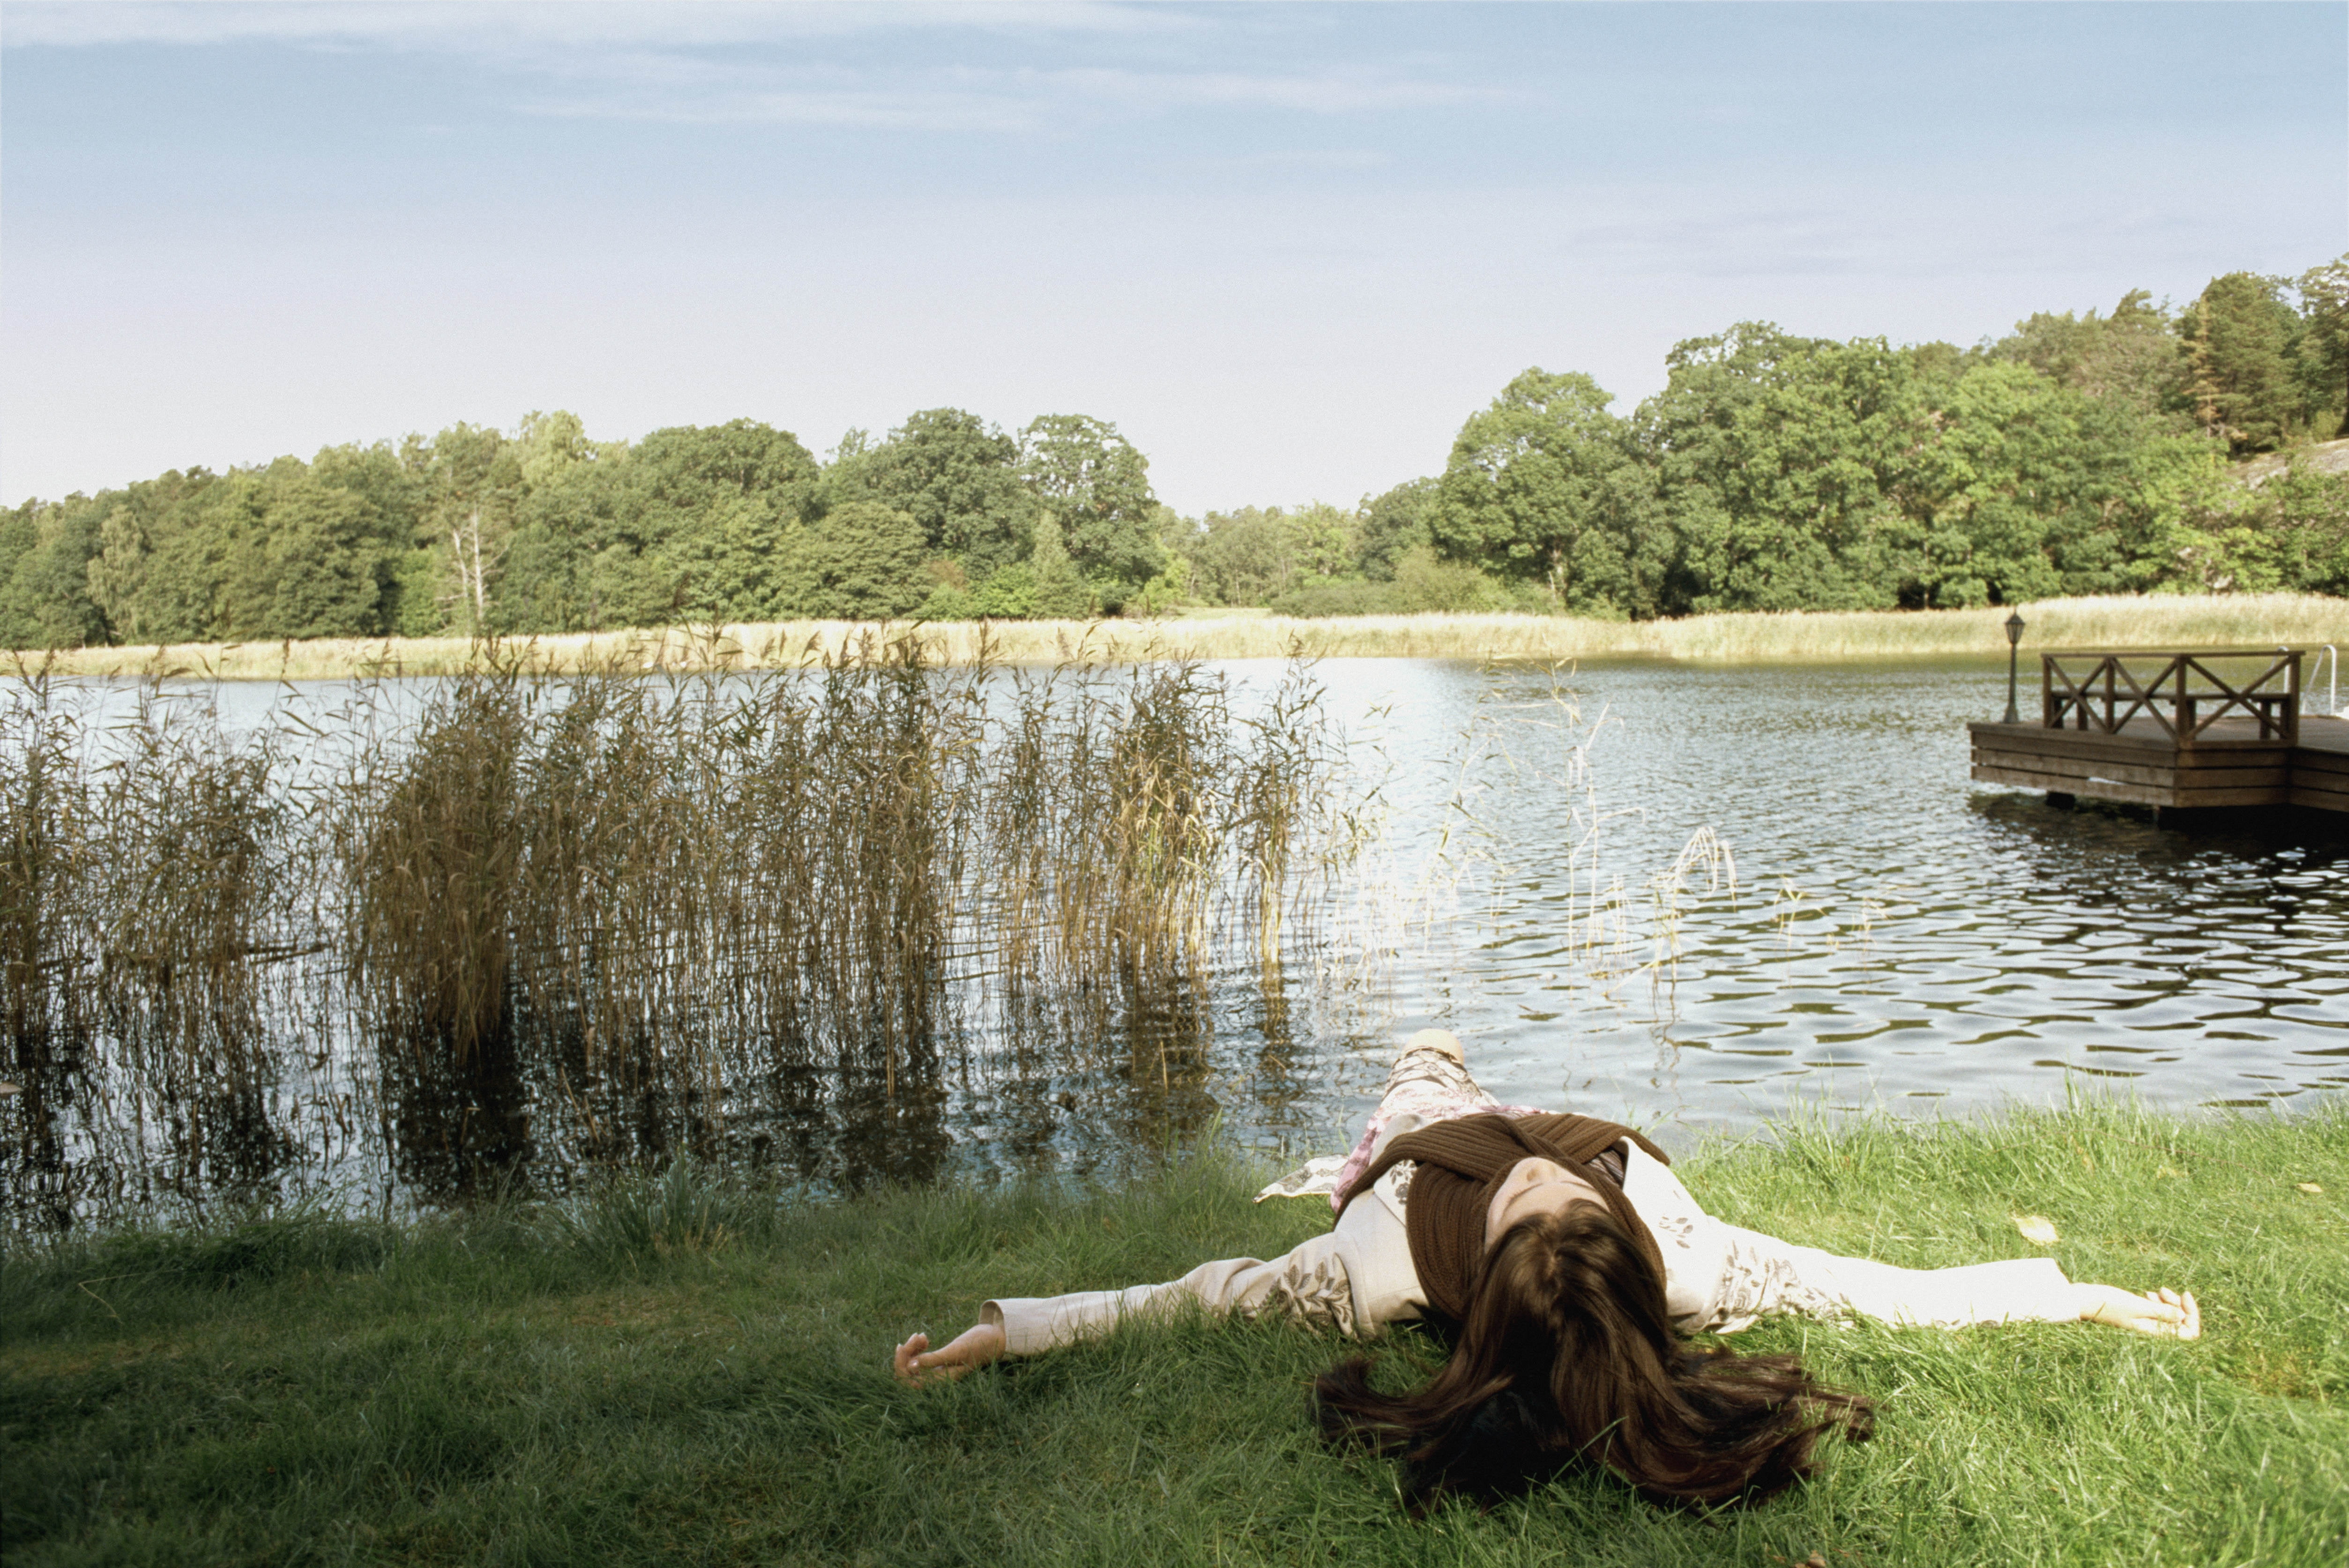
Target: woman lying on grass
[{"x": 1571, "y": 1263}]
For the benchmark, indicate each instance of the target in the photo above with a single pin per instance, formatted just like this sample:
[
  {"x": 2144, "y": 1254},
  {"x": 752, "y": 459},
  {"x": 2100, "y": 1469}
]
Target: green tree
[
  {"x": 2288, "y": 535},
  {"x": 547, "y": 584},
  {"x": 1425, "y": 583},
  {"x": 2011, "y": 489},
  {"x": 46, "y": 549},
  {"x": 209, "y": 578},
  {"x": 2325, "y": 344},
  {"x": 1392, "y": 524},
  {"x": 182, "y": 542},
  {"x": 318, "y": 556},
  {"x": 694, "y": 524},
  {"x": 129, "y": 529},
  {"x": 1776, "y": 457},
  {"x": 1094, "y": 487},
  {"x": 472, "y": 484},
  {"x": 2131, "y": 356},
  {"x": 412, "y": 604},
  {"x": 1008, "y": 593},
  {"x": 549, "y": 446},
  {"x": 1543, "y": 487},
  {"x": 1059, "y": 590},
  {"x": 862, "y": 561},
  {"x": 2240, "y": 337},
  {"x": 958, "y": 477},
  {"x": 575, "y": 495},
  {"x": 1255, "y": 554},
  {"x": 389, "y": 495},
  {"x": 257, "y": 553},
  {"x": 1245, "y": 558}
]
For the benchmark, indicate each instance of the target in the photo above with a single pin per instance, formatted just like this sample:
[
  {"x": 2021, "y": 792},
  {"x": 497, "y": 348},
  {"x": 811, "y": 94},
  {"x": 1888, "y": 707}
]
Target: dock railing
[{"x": 2179, "y": 691}]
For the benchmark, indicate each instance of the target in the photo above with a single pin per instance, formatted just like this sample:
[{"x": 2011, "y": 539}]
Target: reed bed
[
  {"x": 534, "y": 922},
  {"x": 2159, "y": 621},
  {"x": 156, "y": 903}
]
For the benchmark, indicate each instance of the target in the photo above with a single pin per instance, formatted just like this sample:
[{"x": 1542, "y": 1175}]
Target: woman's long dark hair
[{"x": 1566, "y": 1355}]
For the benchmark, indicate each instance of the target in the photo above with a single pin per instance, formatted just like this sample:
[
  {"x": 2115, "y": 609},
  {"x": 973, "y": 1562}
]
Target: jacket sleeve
[
  {"x": 1307, "y": 1284},
  {"x": 1356, "y": 1279},
  {"x": 1764, "y": 1275},
  {"x": 1720, "y": 1278}
]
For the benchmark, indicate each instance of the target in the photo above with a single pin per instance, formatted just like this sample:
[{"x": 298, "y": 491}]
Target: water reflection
[
  {"x": 1902, "y": 935},
  {"x": 1896, "y": 936}
]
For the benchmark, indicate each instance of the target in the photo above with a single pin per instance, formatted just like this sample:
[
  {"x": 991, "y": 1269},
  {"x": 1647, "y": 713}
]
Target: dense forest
[{"x": 2080, "y": 454}]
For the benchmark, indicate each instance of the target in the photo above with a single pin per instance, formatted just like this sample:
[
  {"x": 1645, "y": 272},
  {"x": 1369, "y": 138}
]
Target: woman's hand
[
  {"x": 915, "y": 1363},
  {"x": 2162, "y": 1312}
]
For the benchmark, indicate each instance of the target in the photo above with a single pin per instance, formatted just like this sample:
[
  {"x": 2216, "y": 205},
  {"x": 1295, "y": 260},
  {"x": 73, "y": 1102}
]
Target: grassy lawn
[{"x": 673, "y": 1371}]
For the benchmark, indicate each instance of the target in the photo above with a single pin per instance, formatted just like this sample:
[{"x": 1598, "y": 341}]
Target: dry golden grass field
[{"x": 2170, "y": 620}]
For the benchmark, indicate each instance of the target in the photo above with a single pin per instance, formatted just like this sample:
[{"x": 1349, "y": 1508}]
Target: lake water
[
  {"x": 1861, "y": 928},
  {"x": 1901, "y": 937}
]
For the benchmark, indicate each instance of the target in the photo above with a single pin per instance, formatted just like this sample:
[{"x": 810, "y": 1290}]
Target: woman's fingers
[
  {"x": 2163, "y": 1311},
  {"x": 916, "y": 1363},
  {"x": 2181, "y": 1316}
]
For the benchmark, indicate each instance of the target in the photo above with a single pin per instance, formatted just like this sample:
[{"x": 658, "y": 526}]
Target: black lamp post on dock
[{"x": 2013, "y": 643}]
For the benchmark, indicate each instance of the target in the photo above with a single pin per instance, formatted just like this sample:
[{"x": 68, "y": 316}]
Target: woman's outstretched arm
[
  {"x": 1308, "y": 1283},
  {"x": 1760, "y": 1275}
]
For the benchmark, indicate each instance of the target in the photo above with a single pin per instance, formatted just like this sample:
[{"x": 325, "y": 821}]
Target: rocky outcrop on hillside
[{"x": 2324, "y": 457}]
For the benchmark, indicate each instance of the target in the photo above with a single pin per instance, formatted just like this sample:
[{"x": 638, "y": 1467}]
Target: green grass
[{"x": 675, "y": 1371}]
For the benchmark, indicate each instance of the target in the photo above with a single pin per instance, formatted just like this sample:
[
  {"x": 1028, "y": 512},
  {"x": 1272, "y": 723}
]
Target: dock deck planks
[
  {"x": 2233, "y": 761},
  {"x": 2146, "y": 767}
]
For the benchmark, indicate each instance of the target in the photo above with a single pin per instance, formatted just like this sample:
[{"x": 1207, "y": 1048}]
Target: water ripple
[{"x": 1901, "y": 933}]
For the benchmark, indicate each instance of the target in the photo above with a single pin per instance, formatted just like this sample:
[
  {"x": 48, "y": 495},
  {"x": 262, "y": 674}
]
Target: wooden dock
[{"x": 2179, "y": 732}]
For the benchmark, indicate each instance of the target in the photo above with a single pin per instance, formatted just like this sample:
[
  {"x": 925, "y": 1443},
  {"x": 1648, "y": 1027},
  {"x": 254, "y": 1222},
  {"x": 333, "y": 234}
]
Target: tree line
[{"x": 2080, "y": 454}]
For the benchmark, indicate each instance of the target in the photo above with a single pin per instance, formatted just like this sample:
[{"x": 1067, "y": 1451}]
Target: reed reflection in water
[
  {"x": 531, "y": 926},
  {"x": 402, "y": 940}
]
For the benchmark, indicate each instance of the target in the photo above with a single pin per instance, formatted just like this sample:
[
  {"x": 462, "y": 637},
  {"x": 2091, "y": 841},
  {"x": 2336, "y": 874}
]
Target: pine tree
[{"x": 2239, "y": 341}]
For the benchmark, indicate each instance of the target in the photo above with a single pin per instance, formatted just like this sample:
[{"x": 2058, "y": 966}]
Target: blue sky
[{"x": 1286, "y": 248}]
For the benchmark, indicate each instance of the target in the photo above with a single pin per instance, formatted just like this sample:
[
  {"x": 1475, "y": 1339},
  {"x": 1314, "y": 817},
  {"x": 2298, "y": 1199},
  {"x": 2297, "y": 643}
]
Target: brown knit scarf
[{"x": 1461, "y": 1164}]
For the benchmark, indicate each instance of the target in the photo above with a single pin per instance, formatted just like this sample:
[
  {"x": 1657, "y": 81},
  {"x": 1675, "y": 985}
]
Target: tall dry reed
[
  {"x": 517, "y": 922},
  {"x": 46, "y": 948},
  {"x": 157, "y": 877},
  {"x": 637, "y": 906},
  {"x": 429, "y": 838},
  {"x": 521, "y": 922},
  {"x": 1145, "y": 836}
]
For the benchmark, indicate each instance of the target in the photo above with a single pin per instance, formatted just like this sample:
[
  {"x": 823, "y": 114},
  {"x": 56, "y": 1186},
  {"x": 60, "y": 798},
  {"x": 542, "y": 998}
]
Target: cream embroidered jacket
[{"x": 1358, "y": 1278}]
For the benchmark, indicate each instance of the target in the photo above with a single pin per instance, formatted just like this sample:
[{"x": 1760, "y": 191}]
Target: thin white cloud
[
  {"x": 675, "y": 96},
  {"x": 1311, "y": 158},
  {"x": 695, "y": 63},
  {"x": 477, "y": 25},
  {"x": 1329, "y": 92},
  {"x": 638, "y": 85}
]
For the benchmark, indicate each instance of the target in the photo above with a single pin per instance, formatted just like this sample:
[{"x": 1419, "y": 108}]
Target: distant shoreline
[{"x": 2162, "y": 620}]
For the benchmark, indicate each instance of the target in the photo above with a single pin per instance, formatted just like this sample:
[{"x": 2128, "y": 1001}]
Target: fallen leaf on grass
[
  {"x": 2311, "y": 1187},
  {"x": 2038, "y": 1229}
]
